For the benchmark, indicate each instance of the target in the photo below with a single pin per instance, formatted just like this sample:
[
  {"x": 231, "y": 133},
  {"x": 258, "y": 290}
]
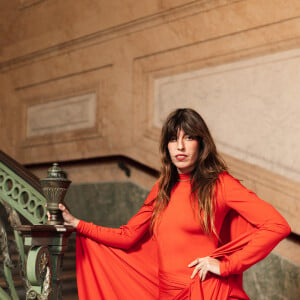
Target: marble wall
[
  {"x": 251, "y": 107},
  {"x": 94, "y": 80},
  {"x": 51, "y": 51},
  {"x": 70, "y": 114}
]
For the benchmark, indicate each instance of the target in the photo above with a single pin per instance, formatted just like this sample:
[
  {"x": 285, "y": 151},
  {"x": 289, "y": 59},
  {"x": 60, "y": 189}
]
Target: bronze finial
[{"x": 55, "y": 186}]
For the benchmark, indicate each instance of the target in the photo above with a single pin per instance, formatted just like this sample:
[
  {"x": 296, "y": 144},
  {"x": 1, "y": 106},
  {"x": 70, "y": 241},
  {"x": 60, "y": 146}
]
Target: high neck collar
[{"x": 184, "y": 177}]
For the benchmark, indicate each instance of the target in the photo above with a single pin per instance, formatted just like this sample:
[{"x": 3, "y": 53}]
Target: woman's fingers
[
  {"x": 194, "y": 263},
  {"x": 202, "y": 273},
  {"x": 204, "y": 265},
  {"x": 196, "y": 270},
  {"x": 68, "y": 218},
  {"x": 200, "y": 267},
  {"x": 62, "y": 207},
  {"x": 48, "y": 213}
]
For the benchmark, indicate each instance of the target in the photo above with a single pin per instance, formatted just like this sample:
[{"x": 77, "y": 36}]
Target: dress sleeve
[
  {"x": 270, "y": 226},
  {"x": 127, "y": 235}
]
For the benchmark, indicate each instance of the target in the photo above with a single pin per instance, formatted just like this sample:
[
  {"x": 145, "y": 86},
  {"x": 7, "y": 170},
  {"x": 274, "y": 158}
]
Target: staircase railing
[{"x": 23, "y": 202}]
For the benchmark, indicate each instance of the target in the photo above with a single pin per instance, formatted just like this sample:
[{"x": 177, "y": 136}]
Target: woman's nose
[{"x": 180, "y": 144}]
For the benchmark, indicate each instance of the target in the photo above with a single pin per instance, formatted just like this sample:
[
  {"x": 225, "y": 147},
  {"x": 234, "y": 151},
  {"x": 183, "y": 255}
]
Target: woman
[{"x": 196, "y": 233}]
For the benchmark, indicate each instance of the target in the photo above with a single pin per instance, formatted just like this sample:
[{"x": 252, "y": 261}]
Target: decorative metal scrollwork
[
  {"x": 4, "y": 247},
  {"x": 14, "y": 220},
  {"x": 46, "y": 289},
  {"x": 39, "y": 256},
  {"x": 32, "y": 295},
  {"x": 7, "y": 264}
]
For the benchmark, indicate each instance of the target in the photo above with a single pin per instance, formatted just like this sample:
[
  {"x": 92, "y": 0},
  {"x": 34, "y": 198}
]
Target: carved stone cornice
[{"x": 139, "y": 24}]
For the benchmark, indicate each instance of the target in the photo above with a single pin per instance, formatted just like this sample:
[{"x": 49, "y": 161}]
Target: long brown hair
[{"x": 205, "y": 174}]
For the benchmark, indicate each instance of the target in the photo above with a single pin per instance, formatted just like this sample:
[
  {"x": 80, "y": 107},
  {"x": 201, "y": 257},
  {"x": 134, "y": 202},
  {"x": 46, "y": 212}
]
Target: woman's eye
[
  {"x": 189, "y": 138},
  {"x": 173, "y": 139}
]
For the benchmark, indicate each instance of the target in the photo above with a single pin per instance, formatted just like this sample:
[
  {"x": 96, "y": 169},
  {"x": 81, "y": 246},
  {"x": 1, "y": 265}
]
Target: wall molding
[
  {"x": 66, "y": 114},
  {"x": 279, "y": 191},
  {"x": 73, "y": 142},
  {"x": 65, "y": 134},
  {"x": 169, "y": 15},
  {"x": 69, "y": 75},
  {"x": 234, "y": 93},
  {"x": 150, "y": 67}
]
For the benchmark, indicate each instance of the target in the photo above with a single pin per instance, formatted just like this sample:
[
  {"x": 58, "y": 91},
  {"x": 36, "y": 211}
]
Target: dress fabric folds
[
  {"x": 104, "y": 272},
  {"x": 142, "y": 270}
]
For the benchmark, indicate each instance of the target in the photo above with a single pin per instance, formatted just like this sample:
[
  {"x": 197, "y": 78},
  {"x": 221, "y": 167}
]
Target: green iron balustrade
[{"x": 21, "y": 195}]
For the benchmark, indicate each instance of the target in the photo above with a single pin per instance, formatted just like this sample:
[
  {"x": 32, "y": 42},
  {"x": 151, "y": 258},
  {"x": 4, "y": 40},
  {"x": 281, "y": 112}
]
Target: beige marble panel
[
  {"x": 252, "y": 108},
  {"x": 67, "y": 116},
  {"x": 78, "y": 112}
]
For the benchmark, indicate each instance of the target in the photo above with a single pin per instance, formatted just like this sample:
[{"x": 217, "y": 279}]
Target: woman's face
[{"x": 183, "y": 150}]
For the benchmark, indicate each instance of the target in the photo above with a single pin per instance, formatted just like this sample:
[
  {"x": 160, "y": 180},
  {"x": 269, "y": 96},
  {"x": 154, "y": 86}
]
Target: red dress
[{"x": 127, "y": 263}]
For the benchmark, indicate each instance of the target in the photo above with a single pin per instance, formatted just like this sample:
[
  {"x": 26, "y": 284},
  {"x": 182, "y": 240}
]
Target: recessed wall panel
[
  {"x": 68, "y": 114},
  {"x": 252, "y": 108}
]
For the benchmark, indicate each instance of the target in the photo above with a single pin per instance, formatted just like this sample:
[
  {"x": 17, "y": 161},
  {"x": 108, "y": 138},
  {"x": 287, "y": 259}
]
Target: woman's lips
[{"x": 180, "y": 157}]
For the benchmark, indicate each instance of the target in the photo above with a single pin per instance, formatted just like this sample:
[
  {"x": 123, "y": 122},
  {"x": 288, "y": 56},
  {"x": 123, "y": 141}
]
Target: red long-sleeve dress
[{"x": 126, "y": 263}]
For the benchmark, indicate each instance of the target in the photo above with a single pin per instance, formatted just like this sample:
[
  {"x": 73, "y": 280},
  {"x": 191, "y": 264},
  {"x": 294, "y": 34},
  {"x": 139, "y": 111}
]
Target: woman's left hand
[{"x": 204, "y": 265}]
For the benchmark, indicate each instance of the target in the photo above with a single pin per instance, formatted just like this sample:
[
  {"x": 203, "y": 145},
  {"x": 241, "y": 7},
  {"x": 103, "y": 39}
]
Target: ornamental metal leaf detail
[{"x": 54, "y": 193}]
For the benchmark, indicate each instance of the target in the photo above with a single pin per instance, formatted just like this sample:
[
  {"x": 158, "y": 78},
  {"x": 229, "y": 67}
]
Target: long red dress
[{"x": 126, "y": 263}]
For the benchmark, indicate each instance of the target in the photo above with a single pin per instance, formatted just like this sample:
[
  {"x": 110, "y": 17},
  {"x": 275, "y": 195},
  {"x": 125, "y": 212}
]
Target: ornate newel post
[
  {"x": 55, "y": 186},
  {"x": 48, "y": 242}
]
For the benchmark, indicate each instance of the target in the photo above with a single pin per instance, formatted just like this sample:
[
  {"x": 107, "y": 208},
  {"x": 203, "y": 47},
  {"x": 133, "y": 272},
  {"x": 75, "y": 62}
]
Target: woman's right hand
[{"x": 69, "y": 219}]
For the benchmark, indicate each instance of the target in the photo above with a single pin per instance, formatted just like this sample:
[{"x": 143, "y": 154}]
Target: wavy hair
[{"x": 208, "y": 166}]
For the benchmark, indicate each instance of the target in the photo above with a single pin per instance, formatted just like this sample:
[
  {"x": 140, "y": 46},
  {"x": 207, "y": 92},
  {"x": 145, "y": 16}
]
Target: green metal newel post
[
  {"x": 45, "y": 259},
  {"x": 48, "y": 242}
]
